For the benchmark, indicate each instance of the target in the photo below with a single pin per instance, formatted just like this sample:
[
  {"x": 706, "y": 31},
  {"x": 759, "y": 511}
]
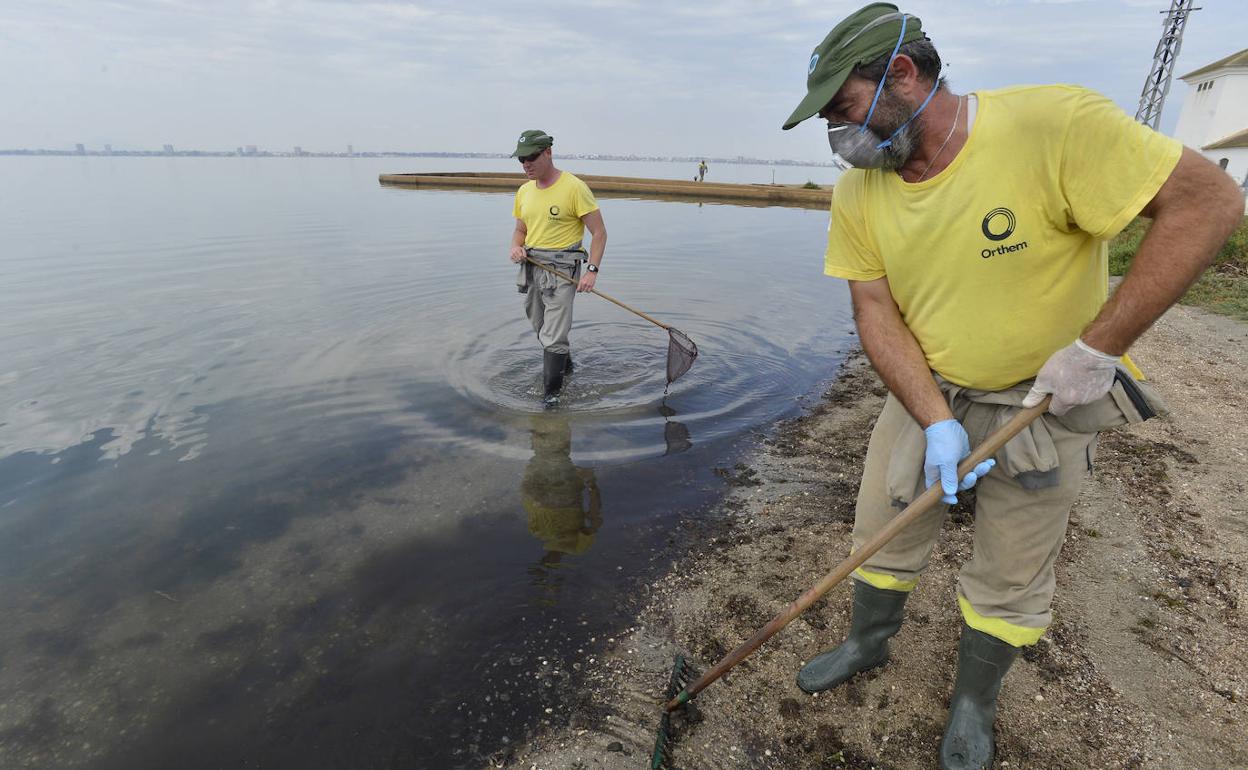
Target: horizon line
[{"x": 251, "y": 151}]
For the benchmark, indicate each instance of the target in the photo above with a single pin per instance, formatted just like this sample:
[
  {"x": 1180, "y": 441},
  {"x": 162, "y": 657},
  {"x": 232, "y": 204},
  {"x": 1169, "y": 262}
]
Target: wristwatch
[{"x": 591, "y": 267}]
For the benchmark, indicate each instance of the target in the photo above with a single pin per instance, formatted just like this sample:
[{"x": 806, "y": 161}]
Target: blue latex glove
[{"x": 947, "y": 444}]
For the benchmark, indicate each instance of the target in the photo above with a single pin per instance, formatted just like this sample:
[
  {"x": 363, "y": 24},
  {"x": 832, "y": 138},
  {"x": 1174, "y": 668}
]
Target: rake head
[{"x": 682, "y": 675}]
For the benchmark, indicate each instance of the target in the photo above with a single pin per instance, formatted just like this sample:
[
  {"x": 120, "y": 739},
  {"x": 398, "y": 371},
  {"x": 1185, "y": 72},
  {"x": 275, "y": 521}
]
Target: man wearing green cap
[
  {"x": 552, "y": 211},
  {"x": 972, "y": 231}
]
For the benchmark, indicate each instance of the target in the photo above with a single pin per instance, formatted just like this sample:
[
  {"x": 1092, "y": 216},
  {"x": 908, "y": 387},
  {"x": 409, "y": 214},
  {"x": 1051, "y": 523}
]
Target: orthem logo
[
  {"x": 992, "y": 220},
  {"x": 992, "y": 228},
  {"x": 554, "y": 211},
  {"x": 814, "y": 59},
  {"x": 521, "y": 140}
]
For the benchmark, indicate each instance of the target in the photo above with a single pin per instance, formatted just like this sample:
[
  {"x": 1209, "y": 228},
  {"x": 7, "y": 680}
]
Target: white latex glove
[{"x": 1075, "y": 375}]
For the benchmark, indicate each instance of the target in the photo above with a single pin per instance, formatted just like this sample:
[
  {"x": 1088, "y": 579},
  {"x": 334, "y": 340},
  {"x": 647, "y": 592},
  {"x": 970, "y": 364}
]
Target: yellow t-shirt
[
  {"x": 1001, "y": 258},
  {"x": 553, "y": 216}
]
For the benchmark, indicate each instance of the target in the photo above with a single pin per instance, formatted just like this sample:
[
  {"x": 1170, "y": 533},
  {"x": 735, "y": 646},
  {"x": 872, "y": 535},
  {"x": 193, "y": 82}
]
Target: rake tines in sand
[
  {"x": 682, "y": 674},
  {"x": 919, "y": 505}
]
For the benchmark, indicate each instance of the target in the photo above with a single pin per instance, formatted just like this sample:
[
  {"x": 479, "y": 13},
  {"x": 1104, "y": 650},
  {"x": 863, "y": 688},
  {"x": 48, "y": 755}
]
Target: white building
[{"x": 1214, "y": 117}]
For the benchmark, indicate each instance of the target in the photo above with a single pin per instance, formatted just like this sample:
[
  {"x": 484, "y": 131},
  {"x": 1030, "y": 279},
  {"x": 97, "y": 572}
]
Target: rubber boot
[
  {"x": 567, "y": 369},
  {"x": 877, "y": 616},
  {"x": 553, "y": 366},
  {"x": 982, "y": 663}
]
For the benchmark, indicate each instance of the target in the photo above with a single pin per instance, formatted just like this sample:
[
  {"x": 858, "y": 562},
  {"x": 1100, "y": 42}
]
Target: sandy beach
[{"x": 1142, "y": 667}]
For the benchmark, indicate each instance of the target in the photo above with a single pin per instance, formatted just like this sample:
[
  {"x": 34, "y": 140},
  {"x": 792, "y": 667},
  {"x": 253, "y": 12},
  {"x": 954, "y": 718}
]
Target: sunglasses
[{"x": 530, "y": 158}]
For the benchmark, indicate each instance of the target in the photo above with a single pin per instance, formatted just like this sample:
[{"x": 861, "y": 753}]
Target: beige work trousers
[
  {"x": 548, "y": 301},
  {"x": 1009, "y": 581}
]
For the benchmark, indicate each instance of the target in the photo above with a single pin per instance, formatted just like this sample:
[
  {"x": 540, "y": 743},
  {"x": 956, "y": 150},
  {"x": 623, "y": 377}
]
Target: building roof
[
  {"x": 1234, "y": 60},
  {"x": 1239, "y": 139}
]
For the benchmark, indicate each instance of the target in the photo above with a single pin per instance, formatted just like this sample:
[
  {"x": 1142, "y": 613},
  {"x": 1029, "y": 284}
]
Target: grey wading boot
[
  {"x": 982, "y": 663},
  {"x": 877, "y": 616},
  {"x": 554, "y": 367}
]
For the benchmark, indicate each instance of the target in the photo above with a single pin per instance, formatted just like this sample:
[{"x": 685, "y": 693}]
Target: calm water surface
[{"x": 275, "y": 486}]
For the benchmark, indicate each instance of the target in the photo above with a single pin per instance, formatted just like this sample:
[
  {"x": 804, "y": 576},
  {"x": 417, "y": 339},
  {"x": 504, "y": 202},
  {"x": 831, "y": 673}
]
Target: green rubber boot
[
  {"x": 982, "y": 663},
  {"x": 553, "y": 370},
  {"x": 877, "y": 616}
]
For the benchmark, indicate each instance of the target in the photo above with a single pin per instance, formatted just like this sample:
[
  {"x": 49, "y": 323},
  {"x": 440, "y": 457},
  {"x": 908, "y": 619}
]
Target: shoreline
[
  {"x": 1141, "y": 668},
  {"x": 608, "y": 186}
]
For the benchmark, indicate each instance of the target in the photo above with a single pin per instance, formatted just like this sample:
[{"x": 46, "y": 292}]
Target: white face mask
[{"x": 861, "y": 147}]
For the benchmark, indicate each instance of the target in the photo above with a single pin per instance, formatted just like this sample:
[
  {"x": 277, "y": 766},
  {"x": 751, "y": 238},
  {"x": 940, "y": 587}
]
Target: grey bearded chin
[
  {"x": 898, "y": 153},
  {"x": 859, "y": 149},
  {"x": 902, "y": 147}
]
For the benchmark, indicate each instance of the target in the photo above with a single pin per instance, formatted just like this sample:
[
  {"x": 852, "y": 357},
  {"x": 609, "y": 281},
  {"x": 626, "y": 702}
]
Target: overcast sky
[{"x": 611, "y": 76}]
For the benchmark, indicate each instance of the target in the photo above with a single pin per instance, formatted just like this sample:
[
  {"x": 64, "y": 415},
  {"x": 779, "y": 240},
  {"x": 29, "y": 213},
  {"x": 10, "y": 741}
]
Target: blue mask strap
[
  {"x": 880, "y": 87},
  {"x": 930, "y": 94}
]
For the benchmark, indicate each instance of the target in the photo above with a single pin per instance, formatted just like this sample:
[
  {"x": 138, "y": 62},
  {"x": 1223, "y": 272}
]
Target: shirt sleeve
[
  {"x": 850, "y": 254},
  {"x": 515, "y": 207},
  {"x": 585, "y": 203},
  {"x": 1111, "y": 166}
]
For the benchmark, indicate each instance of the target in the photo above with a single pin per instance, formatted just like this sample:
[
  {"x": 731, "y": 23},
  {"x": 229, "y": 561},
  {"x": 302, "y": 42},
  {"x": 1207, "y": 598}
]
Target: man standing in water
[
  {"x": 552, "y": 211},
  {"x": 973, "y": 233}
]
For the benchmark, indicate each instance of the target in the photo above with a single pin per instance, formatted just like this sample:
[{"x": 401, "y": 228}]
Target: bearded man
[{"x": 972, "y": 232}]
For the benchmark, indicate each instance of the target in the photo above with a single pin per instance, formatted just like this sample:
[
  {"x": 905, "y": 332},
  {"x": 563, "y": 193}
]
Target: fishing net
[
  {"x": 680, "y": 354},
  {"x": 680, "y": 349}
]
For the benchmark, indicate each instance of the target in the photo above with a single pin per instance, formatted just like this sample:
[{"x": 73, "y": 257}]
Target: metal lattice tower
[{"x": 1153, "y": 97}]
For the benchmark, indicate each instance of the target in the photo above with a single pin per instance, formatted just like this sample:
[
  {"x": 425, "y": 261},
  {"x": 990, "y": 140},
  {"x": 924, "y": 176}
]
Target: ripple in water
[{"x": 740, "y": 379}]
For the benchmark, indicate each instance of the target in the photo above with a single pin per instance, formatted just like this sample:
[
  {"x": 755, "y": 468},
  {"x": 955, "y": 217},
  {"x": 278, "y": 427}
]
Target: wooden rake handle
[
  {"x": 912, "y": 511},
  {"x": 608, "y": 298}
]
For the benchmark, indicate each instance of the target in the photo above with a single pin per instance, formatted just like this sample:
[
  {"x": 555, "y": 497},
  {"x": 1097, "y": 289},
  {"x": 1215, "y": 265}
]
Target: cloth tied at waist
[
  {"x": 566, "y": 261},
  {"x": 1031, "y": 457}
]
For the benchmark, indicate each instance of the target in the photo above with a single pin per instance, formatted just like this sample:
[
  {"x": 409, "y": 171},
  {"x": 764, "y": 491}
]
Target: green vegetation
[
  {"x": 811, "y": 186},
  {"x": 1224, "y": 286}
]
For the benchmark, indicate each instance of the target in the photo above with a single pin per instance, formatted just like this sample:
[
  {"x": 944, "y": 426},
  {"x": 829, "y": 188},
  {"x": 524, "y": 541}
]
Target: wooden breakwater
[{"x": 630, "y": 187}]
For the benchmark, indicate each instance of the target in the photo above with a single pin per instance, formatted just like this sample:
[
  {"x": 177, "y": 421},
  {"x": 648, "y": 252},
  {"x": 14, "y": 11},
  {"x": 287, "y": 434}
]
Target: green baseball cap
[
  {"x": 531, "y": 141},
  {"x": 861, "y": 38}
]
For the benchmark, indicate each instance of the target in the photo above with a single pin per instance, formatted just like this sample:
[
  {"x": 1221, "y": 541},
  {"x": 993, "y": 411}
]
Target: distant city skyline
[
  {"x": 609, "y": 77},
  {"x": 252, "y": 151}
]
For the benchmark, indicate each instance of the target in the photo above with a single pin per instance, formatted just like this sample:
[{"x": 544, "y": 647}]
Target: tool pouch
[
  {"x": 1129, "y": 401},
  {"x": 567, "y": 261}
]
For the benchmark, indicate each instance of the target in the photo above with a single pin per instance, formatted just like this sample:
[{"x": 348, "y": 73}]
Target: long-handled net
[
  {"x": 680, "y": 354},
  {"x": 681, "y": 351}
]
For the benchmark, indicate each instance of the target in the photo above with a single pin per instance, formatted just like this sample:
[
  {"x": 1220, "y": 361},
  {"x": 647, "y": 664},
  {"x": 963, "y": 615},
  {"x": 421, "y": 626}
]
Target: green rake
[
  {"x": 682, "y": 674},
  {"x": 680, "y": 692}
]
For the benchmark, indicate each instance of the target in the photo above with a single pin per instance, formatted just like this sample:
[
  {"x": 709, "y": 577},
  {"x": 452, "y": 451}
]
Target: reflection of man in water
[{"x": 553, "y": 492}]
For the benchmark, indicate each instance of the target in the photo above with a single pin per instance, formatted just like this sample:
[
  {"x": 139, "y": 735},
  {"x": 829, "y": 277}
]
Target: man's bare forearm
[
  {"x": 596, "y": 248},
  {"x": 897, "y": 358},
  {"x": 598, "y": 245},
  {"x": 1193, "y": 215}
]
